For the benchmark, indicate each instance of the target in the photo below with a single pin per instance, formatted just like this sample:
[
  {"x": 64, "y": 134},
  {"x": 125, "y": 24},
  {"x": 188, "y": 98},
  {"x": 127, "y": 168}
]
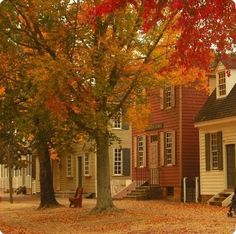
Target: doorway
[{"x": 230, "y": 154}]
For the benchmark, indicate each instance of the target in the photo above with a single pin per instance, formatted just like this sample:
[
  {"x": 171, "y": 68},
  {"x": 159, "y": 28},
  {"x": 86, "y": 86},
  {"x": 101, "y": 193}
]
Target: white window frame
[
  {"x": 168, "y": 97},
  {"x": 214, "y": 155},
  {"x": 140, "y": 151},
  {"x": 87, "y": 164},
  {"x": 168, "y": 148},
  {"x": 117, "y": 120},
  {"x": 117, "y": 162},
  {"x": 69, "y": 166},
  {"x": 221, "y": 77}
]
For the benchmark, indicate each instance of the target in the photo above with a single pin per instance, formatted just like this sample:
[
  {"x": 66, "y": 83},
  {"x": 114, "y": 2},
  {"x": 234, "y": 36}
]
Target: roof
[
  {"x": 230, "y": 62},
  {"x": 218, "y": 108}
]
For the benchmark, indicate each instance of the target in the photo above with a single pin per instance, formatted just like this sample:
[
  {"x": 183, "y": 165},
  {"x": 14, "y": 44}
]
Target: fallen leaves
[{"x": 137, "y": 217}]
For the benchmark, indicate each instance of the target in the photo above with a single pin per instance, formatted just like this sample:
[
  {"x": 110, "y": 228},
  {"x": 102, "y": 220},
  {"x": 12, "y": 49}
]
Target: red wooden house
[{"x": 168, "y": 149}]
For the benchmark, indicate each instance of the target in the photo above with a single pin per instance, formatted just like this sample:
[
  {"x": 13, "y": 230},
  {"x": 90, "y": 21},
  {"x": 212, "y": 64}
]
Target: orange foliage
[
  {"x": 57, "y": 107},
  {"x": 2, "y": 90},
  {"x": 53, "y": 154}
]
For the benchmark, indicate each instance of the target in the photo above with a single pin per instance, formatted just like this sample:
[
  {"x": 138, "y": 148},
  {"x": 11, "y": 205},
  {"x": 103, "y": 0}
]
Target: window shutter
[
  {"x": 162, "y": 99},
  {"x": 172, "y": 96},
  {"x": 135, "y": 151},
  {"x": 207, "y": 151},
  {"x": 125, "y": 125},
  {"x": 162, "y": 147},
  {"x": 173, "y": 148},
  {"x": 126, "y": 162},
  {"x": 219, "y": 149}
]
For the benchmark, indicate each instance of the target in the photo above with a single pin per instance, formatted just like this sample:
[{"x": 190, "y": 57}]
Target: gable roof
[
  {"x": 218, "y": 108},
  {"x": 230, "y": 61}
]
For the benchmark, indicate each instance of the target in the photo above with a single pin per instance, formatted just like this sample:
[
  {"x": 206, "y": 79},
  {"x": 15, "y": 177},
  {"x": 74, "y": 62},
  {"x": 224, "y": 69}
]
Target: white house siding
[
  {"x": 120, "y": 182},
  {"x": 214, "y": 181}
]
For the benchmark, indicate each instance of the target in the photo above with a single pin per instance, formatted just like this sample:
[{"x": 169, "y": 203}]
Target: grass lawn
[{"x": 137, "y": 217}]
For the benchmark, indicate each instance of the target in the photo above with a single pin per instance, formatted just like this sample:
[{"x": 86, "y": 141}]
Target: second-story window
[
  {"x": 117, "y": 120},
  {"x": 167, "y": 97},
  {"x": 221, "y": 83}
]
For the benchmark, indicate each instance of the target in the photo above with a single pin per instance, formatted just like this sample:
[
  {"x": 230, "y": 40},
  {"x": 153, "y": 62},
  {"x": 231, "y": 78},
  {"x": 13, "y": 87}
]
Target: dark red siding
[
  {"x": 179, "y": 118},
  {"x": 193, "y": 100}
]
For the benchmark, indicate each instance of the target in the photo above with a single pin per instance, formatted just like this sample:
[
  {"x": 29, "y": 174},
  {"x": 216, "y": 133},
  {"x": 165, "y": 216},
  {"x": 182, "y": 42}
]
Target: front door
[
  {"x": 79, "y": 172},
  {"x": 230, "y": 154}
]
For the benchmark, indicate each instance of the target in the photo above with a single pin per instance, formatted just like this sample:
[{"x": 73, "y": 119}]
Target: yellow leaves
[
  {"x": 194, "y": 77},
  {"x": 139, "y": 115}
]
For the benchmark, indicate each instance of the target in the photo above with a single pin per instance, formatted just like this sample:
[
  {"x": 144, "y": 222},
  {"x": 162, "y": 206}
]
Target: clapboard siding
[
  {"x": 191, "y": 104},
  {"x": 179, "y": 119},
  {"x": 89, "y": 182},
  {"x": 215, "y": 181}
]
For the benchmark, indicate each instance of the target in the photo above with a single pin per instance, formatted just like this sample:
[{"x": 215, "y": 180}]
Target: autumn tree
[
  {"x": 91, "y": 59},
  {"x": 25, "y": 120}
]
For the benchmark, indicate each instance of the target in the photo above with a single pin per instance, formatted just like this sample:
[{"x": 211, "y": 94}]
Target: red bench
[{"x": 76, "y": 201}]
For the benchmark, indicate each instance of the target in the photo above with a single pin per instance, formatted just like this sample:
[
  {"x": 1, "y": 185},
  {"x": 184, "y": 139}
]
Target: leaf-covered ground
[{"x": 135, "y": 217}]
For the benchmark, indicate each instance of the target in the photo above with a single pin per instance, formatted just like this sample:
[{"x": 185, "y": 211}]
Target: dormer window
[
  {"x": 221, "y": 84},
  {"x": 117, "y": 120}
]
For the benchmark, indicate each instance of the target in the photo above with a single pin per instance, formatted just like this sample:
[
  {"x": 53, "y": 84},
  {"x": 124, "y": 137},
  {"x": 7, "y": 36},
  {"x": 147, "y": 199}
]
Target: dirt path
[{"x": 137, "y": 217}]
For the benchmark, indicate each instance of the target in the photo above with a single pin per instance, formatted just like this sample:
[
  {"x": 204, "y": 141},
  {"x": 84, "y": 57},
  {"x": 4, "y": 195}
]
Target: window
[
  {"x": 117, "y": 120},
  {"x": 214, "y": 151},
  {"x": 168, "y": 148},
  {"x": 213, "y": 144},
  {"x": 117, "y": 161},
  {"x": 221, "y": 84},
  {"x": 167, "y": 96},
  {"x": 69, "y": 166},
  {"x": 86, "y": 165},
  {"x": 154, "y": 138},
  {"x": 140, "y": 151}
]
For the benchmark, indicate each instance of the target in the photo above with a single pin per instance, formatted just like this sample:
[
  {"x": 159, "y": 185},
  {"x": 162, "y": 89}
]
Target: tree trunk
[
  {"x": 47, "y": 196},
  {"x": 9, "y": 165},
  {"x": 104, "y": 199}
]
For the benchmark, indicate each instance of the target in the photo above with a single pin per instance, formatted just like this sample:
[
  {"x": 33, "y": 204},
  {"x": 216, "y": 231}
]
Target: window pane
[
  {"x": 168, "y": 147},
  {"x": 222, "y": 83},
  {"x": 86, "y": 164},
  {"x": 214, "y": 151},
  {"x": 140, "y": 151},
  {"x": 117, "y": 161}
]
